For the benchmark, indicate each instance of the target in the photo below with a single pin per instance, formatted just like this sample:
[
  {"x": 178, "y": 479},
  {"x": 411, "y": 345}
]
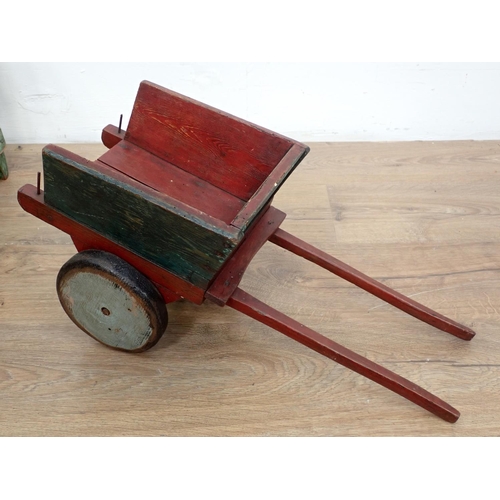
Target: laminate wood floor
[{"x": 422, "y": 217}]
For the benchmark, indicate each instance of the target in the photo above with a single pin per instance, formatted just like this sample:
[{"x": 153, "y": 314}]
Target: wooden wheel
[{"x": 111, "y": 301}]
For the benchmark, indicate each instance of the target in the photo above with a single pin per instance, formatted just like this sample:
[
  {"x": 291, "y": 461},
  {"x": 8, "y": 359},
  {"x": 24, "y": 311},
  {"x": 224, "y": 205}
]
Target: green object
[
  {"x": 140, "y": 222},
  {"x": 4, "y": 172}
]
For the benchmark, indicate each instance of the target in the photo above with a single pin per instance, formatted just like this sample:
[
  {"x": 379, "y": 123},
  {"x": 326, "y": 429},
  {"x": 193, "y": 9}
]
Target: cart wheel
[{"x": 111, "y": 301}]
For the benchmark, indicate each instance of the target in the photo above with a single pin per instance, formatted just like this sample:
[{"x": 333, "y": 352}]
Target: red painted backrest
[{"x": 221, "y": 149}]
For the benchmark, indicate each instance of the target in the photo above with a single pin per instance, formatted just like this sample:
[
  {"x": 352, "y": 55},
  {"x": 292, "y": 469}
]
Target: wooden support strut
[
  {"x": 245, "y": 303},
  {"x": 409, "y": 306}
]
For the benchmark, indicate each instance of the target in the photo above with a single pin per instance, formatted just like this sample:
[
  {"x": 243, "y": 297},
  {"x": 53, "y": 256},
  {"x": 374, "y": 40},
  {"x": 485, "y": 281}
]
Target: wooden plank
[
  {"x": 86, "y": 238},
  {"x": 245, "y": 303},
  {"x": 125, "y": 212},
  {"x": 231, "y": 274},
  {"x": 221, "y": 149},
  {"x": 166, "y": 178},
  {"x": 409, "y": 306},
  {"x": 176, "y": 206},
  {"x": 270, "y": 186}
]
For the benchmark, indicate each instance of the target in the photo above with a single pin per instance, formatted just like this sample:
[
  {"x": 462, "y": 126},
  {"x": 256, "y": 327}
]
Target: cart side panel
[
  {"x": 228, "y": 152},
  {"x": 134, "y": 219},
  {"x": 270, "y": 186}
]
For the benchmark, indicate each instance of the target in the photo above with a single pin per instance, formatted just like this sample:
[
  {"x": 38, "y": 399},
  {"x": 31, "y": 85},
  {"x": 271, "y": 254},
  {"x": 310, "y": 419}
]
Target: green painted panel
[
  {"x": 146, "y": 225},
  {"x": 4, "y": 171}
]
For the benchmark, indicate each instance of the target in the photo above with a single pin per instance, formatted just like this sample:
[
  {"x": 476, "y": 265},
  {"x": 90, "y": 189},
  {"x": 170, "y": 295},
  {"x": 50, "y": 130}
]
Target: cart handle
[
  {"x": 409, "y": 306},
  {"x": 249, "y": 305}
]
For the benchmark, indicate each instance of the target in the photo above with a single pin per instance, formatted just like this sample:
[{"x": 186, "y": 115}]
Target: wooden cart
[{"x": 177, "y": 208}]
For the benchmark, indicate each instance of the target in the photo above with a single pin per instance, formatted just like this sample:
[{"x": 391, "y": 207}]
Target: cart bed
[
  {"x": 180, "y": 188},
  {"x": 164, "y": 177}
]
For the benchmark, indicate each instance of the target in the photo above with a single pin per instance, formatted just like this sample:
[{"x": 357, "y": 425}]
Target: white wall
[{"x": 72, "y": 102}]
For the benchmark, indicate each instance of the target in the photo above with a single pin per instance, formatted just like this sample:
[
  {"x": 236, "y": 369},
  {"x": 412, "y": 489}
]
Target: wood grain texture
[
  {"x": 422, "y": 218},
  {"x": 139, "y": 219},
  {"x": 225, "y": 151},
  {"x": 166, "y": 178},
  {"x": 208, "y": 159},
  {"x": 269, "y": 187},
  {"x": 249, "y": 305},
  {"x": 85, "y": 238},
  {"x": 335, "y": 266}
]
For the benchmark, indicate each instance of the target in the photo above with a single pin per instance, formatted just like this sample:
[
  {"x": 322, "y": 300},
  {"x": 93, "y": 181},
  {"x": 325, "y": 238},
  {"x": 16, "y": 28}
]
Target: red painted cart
[{"x": 177, "y": 208}]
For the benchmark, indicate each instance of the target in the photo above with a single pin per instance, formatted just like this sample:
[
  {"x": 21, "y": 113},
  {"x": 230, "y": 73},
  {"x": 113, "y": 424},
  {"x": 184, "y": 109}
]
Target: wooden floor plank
[{"x": 421, "y": 217}]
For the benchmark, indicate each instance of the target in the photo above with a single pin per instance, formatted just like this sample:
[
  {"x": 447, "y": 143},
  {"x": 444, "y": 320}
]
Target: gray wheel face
[{"x": 111, "y": 301}]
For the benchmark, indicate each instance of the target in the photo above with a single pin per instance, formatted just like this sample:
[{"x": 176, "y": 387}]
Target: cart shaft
[
  {"x": 256, "y": 309},
  {"x": 409, "y": 306}
]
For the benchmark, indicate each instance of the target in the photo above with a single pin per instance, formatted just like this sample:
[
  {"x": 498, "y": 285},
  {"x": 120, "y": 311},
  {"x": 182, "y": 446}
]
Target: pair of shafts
[{"x": 256, "y": 309}]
